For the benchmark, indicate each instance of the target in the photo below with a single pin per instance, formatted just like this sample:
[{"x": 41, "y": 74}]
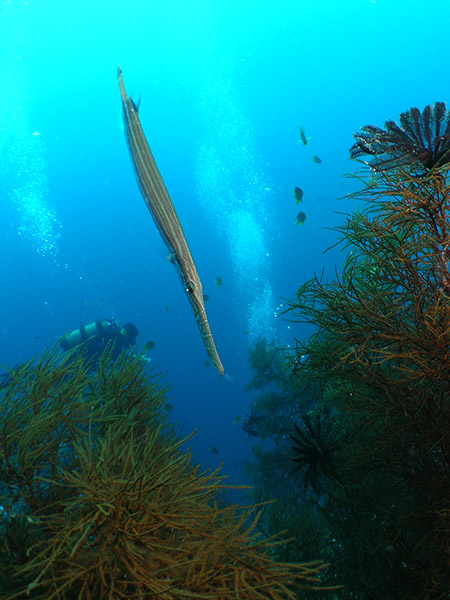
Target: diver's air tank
[{"x": 84, "y": 333}]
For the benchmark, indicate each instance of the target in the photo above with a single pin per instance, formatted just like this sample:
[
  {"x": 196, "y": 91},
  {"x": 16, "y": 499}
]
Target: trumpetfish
[{"x": 163, "y": 212}]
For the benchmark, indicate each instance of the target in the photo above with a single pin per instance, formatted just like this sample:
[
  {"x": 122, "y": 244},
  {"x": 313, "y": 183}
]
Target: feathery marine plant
[
  {"x": 99, "y": 500},
  {"x": 390, "y": 305},
  {"x": 381, "y": 356},
  {"x": 364, "y": 410},
  {"x": 287, "y": 470}
]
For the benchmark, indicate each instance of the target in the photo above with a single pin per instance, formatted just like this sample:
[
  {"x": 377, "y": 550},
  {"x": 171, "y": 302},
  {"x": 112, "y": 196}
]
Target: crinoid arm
[
  {"x": 315, "y": 445},
  {"x": 421, "y": 140}
]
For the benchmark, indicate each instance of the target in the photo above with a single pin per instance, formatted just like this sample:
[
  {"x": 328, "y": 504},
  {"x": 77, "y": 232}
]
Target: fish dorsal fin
[{"x": 137, "y": 104}]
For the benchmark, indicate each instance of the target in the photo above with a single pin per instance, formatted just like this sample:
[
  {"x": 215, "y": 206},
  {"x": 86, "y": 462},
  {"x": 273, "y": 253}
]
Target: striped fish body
[{"x": 160, "y": 205}]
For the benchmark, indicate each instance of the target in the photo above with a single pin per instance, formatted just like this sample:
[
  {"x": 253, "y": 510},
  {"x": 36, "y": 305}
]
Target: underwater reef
[
  {"x": 363, "y": 468},
  {"x": 99, "y": 500}
]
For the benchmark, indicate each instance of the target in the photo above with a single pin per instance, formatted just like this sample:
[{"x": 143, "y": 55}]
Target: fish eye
[{"x": 190, "y": 287}]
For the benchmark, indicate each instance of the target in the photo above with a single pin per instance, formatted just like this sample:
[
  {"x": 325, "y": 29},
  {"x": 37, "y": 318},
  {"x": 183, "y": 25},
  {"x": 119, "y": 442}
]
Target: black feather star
[
  {"x": 315, "y": 447},
  {"x": 422, "y": 139}
]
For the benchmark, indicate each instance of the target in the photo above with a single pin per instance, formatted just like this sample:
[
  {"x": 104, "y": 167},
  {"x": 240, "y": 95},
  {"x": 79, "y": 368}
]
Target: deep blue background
[{"x": 223, "y": 88}]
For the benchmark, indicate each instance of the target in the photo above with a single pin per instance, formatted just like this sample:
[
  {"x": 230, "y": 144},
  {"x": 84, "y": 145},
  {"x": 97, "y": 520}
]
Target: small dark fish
[
  {"x": 213, "y": 450},
  {"x": 236, "y": 419},
  {"x": 300, "y": 218},
  {"x": 316, "y": 159},
  {"x": 37, "y": 337},
  {"x": 298, "y": 195},
  {"x": 206, "y": 363},
  {"x": 167, "y": 308},
  {"x": 205, "y": 297},
  {"x": 149, "y": 345},
  {"x": 303, "y": 138},
  {"x": 219, "y": 282}
]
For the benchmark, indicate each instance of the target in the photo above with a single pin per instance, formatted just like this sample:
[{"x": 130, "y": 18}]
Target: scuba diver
[{"x": 94, "y": 338}]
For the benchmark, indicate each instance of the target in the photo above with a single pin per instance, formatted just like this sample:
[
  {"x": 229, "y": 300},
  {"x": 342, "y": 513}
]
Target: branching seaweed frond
[{"x": 100, "y": 500}]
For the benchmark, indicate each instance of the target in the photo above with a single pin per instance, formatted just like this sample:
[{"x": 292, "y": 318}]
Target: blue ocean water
[{"x": 224, "y": 87}]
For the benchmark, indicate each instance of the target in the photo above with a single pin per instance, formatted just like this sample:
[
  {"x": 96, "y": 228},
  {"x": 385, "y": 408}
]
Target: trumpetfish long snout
[{"x": 163, "y": 212}]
